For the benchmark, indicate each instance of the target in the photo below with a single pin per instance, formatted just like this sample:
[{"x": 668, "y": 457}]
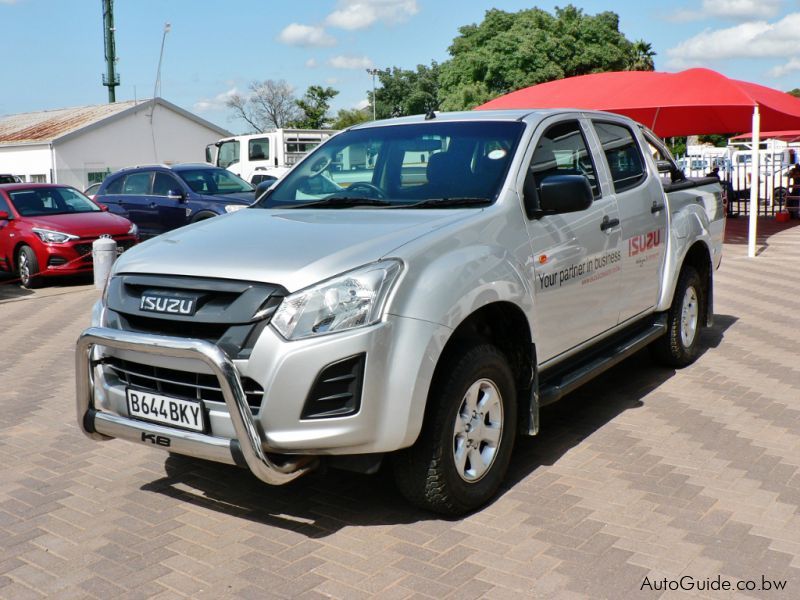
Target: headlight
[
  {"x": 229, "y": 208},
  {"x": 134, "y": 230},
  {"x": 53, "y": 237},
  {"x": 353, "y": 299}
]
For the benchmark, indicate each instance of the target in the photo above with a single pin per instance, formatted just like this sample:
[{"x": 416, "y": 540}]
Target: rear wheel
[
  {"x": 28, "y": 268},
  {"x": 465, "y": 445},
  {"x": 679, "y": 347}
]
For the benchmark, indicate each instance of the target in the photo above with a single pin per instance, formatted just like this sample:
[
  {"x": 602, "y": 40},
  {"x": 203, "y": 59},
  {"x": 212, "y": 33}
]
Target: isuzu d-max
[{"x": 416, "y": 290}]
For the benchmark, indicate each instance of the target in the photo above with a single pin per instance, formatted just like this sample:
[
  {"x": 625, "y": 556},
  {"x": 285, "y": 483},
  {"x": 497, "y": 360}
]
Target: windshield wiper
[
  {"x": 448, "y": 202},
  {"x": 343, "y": 202}
]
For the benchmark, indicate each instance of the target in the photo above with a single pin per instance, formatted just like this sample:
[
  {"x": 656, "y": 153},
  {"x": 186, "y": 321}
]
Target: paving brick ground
[{"x": 646, "y": 472}]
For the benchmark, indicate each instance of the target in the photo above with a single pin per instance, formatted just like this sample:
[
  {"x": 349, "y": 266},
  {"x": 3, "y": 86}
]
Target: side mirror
[
  {"x": 103, "y": 207},
  {"x": 264, "y": 187},
  {"x": 176, "y": 195},
  {"x": 664, "y": 166},
  {"x": 563, "y": 194},
  {"x": 4, "y": 216}
]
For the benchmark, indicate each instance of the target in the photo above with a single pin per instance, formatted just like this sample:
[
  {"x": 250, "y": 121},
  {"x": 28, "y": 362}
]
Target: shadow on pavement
[{"x": 325, "y": 501}]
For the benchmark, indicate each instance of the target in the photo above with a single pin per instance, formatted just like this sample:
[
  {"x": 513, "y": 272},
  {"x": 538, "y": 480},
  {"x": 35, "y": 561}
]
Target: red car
[{"x": 48, "y": 229}]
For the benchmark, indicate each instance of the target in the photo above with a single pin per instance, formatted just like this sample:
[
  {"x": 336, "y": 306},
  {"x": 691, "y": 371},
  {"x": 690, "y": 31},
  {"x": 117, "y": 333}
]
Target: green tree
[
  {"x": 406, "y": 92},
  {"x": 641, "y": 57},
  {"x": 794, "y": 92},
  {"x": 314, "y": 106},
  {"x": 347, "y": 117},
  {"x": 508, "y": 51}
]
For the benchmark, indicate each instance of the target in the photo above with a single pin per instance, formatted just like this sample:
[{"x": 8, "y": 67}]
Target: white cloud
[
  {"x": 785, "y": 69},
  {"x": 360, "y": 14},
  {"x": 311, "y": 63},
  {"x": 738, "y": 10},
  {"x": 350, "y": 62},
  {"x": 754, "y": 39},
  {"x": 362, "y": 104},
  {"x": 215, "y": 103},
  {"x": 332, "y": 80},
  {"x": 296, "y": 34}
]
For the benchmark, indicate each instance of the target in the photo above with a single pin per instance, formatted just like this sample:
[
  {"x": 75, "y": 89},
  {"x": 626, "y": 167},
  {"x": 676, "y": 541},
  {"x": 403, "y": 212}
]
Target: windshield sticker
[
  {"x": 496, "y": 154},
  {"x": 588, "y": 271}
]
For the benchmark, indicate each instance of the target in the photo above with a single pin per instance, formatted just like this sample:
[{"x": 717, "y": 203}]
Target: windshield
[
  {"x": 214, "y": 182},
  {"x": 51, "y": 201},
  {"x": 403, "y": 165}
]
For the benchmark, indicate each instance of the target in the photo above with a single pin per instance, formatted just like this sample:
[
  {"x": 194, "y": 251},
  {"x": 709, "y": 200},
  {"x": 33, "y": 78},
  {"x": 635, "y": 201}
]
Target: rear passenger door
[
  {"x": 643, "y": 215},
  {"x": 575, "y": 256},
  {"x": 137, "y": 204}
]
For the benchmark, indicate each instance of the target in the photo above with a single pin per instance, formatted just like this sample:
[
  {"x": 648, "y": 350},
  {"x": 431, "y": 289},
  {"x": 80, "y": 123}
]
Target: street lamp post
[{"x": 373, "y": 71}]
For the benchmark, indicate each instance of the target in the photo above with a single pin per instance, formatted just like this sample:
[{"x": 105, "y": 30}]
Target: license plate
[{"x": 185, "y": 414}]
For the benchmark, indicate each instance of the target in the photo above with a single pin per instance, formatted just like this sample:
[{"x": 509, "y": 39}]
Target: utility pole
[
  {"x": 373, "y": 72},
  {"x": 110, "y": 77}
]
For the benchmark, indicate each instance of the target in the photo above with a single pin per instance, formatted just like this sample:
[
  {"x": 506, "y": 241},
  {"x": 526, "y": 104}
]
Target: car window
[
  {"x": 92, "y": 189},
  {"x": 405, "y": 164},
  {"x": 622, "y": 154},
  {"x": 163, "y": 184},
  {"x": 137, "y": 184},
  {"x": 213, "y": 181},
  {"x": 51, "y": 201},
  {"x": 562, "y": 150},
  {"x": 114, "y": 186},
  {"x": 228, "y": 153},
  {"x": 4, "y": 205},
  {"x": 258, "y": 149}
]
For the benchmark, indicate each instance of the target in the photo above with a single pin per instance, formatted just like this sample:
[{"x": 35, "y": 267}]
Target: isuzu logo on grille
[{"x": 171, "y": 305}]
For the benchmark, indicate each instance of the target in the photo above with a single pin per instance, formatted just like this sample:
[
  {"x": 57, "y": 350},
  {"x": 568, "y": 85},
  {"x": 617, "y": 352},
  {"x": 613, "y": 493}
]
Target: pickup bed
[{"x": 471, "y": 269}]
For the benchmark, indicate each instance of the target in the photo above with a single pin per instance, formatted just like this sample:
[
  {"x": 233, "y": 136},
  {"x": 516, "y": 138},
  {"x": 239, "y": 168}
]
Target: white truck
[
  {"x": 265, "y": 156},
  {"x": 472, "y": 268}
]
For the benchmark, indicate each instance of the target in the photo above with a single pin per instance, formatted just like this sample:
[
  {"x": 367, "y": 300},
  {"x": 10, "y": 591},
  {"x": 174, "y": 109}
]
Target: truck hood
[{"x": 293, "y": 248}]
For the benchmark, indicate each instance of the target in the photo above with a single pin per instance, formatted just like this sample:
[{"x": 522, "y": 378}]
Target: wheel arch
[{"x": 504, "y": 325}]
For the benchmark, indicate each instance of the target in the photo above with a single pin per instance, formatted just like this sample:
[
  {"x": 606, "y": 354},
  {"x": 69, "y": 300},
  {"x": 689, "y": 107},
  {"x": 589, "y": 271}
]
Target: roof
[{"x": 55, "y": 125}]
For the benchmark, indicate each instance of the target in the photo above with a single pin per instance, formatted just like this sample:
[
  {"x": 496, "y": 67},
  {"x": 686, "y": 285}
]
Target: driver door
[{"x": 575, "y": 265}]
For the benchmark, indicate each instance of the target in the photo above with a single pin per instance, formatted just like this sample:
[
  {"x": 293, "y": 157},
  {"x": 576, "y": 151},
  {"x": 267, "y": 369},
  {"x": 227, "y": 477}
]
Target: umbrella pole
[{"x": 754, "y": 183}]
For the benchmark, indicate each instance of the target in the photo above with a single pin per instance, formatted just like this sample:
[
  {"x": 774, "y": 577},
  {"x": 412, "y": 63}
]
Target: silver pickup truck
[{"x": 414, "y": 289}]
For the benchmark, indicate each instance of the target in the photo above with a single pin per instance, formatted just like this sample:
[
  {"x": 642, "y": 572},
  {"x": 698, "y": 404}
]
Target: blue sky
[{"x": 53, "y": 49}]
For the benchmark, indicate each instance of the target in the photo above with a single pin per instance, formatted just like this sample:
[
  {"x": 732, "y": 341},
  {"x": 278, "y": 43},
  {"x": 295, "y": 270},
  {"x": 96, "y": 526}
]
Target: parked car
[
  {"x": 91, "y": 191},
  {"x": 159, "y": 198},
  {"x": 423, "y": 315},
  {"x": 7, "y": 178},
  {"x": 48, "y": 229}
]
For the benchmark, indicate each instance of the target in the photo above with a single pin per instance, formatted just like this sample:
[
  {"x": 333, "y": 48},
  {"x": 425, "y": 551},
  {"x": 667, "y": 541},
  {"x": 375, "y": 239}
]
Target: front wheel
[
  {"x": 679, "y": 347},
  {"x": 28, "y": 267},
  {"x": 465, "y": 445}
]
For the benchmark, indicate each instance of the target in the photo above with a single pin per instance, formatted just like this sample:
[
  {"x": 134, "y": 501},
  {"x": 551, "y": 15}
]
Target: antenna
[
  {"x": 157, "y": 86},
  {"x": 110, "y": 77}
]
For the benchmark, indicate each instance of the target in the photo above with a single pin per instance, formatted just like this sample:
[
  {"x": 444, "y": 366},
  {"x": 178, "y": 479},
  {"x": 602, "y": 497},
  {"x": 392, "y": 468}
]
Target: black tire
[
  {"x": 202, "y": 216},
  {"x": 427, "y": 473},
  {"x": 28, "y": 268},
  {"x": 679, "y": 347}
]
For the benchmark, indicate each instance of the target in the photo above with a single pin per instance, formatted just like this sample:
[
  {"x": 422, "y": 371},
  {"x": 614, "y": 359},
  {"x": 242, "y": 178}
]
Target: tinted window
[
  {"x": 214, "y": 181},
  {"x": 137, "y": 184},
  {"x": 404, "y": 164},
  {"x": 4, "y": 204},
  {"x": 114, "y": 186},
  {"x": 258, "y": 149},
  {"x": 562, "y": 150},
  {"x": 51, "y": 201},
  {"x": 622, "y": 155},
  {"x": 163, "y": 184}
]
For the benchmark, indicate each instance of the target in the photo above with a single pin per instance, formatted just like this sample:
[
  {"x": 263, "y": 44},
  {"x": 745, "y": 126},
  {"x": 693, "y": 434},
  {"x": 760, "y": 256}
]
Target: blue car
[{"x": 159, "y": 198}]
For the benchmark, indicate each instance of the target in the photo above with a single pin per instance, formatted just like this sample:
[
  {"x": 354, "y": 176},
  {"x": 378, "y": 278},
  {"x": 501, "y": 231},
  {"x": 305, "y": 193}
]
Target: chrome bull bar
[{"x": 248, "y": 444}]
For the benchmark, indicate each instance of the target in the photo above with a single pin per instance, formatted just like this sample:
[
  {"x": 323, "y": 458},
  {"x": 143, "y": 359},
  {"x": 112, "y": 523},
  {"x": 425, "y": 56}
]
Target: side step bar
[{"x": 553, "y": 388}]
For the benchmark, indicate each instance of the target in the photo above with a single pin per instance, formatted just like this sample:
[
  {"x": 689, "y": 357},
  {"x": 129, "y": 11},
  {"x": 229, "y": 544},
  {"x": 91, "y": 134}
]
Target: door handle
[
  {"x": 608, "y": 223},
  {"x": 656, "y": 208}
]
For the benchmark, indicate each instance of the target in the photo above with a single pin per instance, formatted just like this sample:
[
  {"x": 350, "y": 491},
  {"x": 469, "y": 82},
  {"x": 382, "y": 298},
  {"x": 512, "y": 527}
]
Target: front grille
[
  {"x": 225, "y": 312},
  {"x": 180, "y": 384}
]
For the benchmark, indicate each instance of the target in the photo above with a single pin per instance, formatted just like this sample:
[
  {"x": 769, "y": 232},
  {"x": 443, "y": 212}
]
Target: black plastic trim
[{"x": 336, "y": 391}]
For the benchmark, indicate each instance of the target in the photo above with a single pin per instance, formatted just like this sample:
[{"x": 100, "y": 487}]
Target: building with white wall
[{"x": 80, "y": 146}]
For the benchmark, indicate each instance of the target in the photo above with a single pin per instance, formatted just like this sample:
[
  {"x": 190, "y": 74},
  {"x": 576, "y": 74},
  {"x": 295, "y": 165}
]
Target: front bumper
[
  {"x": 246, "y": 448},
  {"x": 75, "y": 256}
]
